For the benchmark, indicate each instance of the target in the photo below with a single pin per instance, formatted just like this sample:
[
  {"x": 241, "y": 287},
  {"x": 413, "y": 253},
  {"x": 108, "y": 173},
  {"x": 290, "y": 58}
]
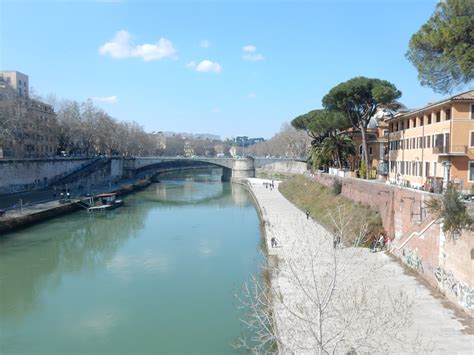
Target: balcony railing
[{"x": 453, "y": 150}]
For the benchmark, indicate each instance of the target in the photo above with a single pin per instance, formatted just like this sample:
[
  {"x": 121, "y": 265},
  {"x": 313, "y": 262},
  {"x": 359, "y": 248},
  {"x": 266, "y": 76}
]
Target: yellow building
[{"x": 434, "y": 144}]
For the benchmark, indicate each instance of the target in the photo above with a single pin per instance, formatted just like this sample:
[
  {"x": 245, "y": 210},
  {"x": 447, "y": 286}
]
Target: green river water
[{"x": 157, "y": 276}]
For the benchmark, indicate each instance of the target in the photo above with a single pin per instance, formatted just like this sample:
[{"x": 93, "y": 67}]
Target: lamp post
[{"x": 447, "y": 167}]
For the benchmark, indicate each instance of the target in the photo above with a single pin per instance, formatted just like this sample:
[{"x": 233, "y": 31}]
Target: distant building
[
  {"x": 160, "y": 141},
  {"x": 221, "y": 150},
  {"x": 30, "y": 129},
  {"x": 377, "y": 144},
  {"x": 245, "y": 141},
  {"x": 18, "y": 81},
  {"x": 188, "y": 149}
]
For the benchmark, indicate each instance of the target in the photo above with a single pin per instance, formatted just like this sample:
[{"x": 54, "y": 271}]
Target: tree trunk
[{"x": 364, "y": 149}]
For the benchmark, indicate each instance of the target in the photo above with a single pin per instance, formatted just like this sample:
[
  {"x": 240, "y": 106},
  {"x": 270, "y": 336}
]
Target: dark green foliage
[
  {"x": 450, "y": 209},
  {"x": 337, "y": 148},
  {"x": 336, "y": 187},
  {"x": 358, "y": 99},
  {"x": 319, "y": 124},
  {"x": 443, "y": 48}
]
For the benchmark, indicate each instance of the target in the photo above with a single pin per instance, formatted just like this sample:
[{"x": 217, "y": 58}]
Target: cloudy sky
[{"x": 222, "y": 67}]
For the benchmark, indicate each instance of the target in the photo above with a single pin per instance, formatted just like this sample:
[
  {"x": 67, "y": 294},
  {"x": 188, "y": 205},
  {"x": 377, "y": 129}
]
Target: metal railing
[{"x": 454, "y": 149}]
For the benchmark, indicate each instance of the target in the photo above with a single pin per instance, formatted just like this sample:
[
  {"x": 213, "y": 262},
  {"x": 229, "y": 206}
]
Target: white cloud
[
  {"x": 250, "y": 48},
  {"x": 106, "y": 99},
  {"x": 253, "y": 57},
  {"x": 208, "y": 66},
  {"x": 204, "y": 43},
  {"x": 121, "y": 46},
  {"x": 250, "y": 53},
  {"x": 252, "y": 95}
]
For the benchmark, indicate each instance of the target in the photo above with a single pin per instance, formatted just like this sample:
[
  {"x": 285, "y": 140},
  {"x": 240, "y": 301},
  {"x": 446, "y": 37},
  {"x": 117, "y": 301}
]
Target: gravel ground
[{"x": 349, "y": 298}]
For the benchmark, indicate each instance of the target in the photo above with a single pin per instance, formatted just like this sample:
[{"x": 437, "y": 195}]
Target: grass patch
[{"x": 321, "y": 202}]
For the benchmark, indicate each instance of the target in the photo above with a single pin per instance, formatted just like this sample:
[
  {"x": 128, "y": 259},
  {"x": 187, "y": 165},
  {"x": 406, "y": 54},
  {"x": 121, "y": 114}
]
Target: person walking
[
  {"x": 273, "y": 242},
  {"x": 307, "y": 214}
]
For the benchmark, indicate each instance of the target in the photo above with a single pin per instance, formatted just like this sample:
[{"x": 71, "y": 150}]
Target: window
[
  {"x": 471, "y": 139},
  {"x": 472, "y": 111},
  {"x": 429, "y": 119},
  {"x": 19, "y": 81},
  {"x": 422, "y": 119},
  {"x": 447, "y": 114},
  {"x": 438, "y": 116},
  {"x": 434, "y": 168},
  {"x": 427, "y": 168},
  {"x": 471, "y": 171},
  {"x": 414, "y": 122},
  {"x": 371, "y": 150},
  {"x": 360, "y": 149}
]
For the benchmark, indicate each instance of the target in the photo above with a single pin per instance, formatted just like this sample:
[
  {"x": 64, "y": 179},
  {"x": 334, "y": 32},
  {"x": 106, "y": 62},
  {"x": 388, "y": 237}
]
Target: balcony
[{"x": 455, "y": 150}]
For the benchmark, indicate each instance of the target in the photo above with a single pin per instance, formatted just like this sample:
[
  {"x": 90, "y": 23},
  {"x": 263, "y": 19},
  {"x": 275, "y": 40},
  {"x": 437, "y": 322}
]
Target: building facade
[
  {"x": 18, "y": 81},
  {"x": 433, "y": 145},
  {"x": 29, "y": 127}
]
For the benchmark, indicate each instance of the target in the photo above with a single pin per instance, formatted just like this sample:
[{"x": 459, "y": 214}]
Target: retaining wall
[{"x": 418, "y": 240}]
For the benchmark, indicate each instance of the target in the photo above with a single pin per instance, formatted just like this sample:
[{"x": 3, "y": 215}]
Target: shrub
[
  {"x": 450, "y": 209},
  {"x": 336, "y": 187},
  {"x": 363, "y": 169}
]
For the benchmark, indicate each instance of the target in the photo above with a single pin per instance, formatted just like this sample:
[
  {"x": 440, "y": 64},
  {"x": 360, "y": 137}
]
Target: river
[{"x": 157, "y": 276}]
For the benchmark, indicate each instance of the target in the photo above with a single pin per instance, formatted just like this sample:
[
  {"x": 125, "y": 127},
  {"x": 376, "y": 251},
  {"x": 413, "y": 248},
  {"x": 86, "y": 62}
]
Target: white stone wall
[
  {"x": 285, "y": 167},
  {"x": 20, "y": 172}
]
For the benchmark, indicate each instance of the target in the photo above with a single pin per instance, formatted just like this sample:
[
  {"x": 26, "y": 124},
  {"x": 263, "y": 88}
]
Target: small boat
[{"x": 105, "y": 202}]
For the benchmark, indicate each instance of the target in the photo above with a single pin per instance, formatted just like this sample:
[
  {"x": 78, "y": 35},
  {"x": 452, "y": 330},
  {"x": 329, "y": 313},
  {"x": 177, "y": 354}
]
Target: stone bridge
[{"x": 233, "y": 169}]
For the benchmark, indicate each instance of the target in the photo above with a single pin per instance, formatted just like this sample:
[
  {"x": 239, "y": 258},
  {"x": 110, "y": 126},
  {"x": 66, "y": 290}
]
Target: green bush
[
  {"x": 336, "y": 187},
  {"x": 363, "y": 169}
]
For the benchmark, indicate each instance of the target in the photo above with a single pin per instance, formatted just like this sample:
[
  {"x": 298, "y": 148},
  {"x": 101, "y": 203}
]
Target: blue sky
[{"x": 226, "y": 68}]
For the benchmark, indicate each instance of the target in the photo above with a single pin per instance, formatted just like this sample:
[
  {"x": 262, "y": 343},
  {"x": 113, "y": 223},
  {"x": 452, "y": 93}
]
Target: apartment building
[
  {"x": 377, "y": 147},
  {"x": 18, "y": 81},
  {"x": 434, "y": 144},
  {"x": 29, "y": 127}
]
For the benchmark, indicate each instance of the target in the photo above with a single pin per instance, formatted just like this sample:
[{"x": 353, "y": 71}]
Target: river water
[{"x": 157, "y": 276}]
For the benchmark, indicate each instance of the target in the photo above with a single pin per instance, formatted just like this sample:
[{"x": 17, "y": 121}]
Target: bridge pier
[
  {"x": 243, "y": 169},
  {"x": 226, "y": 174}
]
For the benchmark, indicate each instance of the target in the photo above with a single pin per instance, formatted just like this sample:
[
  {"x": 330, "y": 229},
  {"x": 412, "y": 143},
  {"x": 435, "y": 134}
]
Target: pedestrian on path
[
  {"x": 307, "y": 214},
  {"x": 273, "y": 242}
]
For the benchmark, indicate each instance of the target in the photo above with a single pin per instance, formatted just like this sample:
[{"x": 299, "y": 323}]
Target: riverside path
[{"x": 411, "y": 318}]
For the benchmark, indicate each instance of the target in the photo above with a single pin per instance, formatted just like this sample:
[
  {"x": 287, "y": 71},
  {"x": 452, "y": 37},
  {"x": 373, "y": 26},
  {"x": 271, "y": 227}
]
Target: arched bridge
[{"x": 233, "y": 168}]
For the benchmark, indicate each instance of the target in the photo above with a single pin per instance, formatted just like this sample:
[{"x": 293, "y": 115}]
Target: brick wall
[{"x": 416, "y": 238}]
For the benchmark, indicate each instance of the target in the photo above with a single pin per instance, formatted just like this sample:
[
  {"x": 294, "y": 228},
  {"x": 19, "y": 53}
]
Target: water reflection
[{"x": 38, "y": 257}]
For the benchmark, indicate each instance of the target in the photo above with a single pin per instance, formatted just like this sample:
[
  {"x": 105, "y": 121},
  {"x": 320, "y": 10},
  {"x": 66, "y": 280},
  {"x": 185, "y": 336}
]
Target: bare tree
[{"x": 321, "y": 299}]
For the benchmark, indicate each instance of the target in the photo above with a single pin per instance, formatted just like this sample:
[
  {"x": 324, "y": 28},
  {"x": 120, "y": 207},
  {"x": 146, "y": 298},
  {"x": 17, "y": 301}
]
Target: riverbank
[
  {"x": 36, "y": 213},
  {"x": 376, "y": 307}
]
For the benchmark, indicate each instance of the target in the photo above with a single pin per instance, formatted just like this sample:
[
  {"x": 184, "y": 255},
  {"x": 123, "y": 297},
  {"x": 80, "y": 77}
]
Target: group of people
[{"x": 270, "y": 185}]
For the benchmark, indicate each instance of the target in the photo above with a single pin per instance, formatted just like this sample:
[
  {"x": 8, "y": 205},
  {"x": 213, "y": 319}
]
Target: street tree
[
  {"x": 443, "y": 48},
  {"x": 320, "y": 124},
  {"x": 358, "y": 99}
]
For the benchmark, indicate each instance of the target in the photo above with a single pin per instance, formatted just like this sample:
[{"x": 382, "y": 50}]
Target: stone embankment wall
[
  {"x": 285, "y": 167},
  {"x": 15, "y": 173},
  {"x": 417, "y": 239},
  {"x": 19, "y": 174}
]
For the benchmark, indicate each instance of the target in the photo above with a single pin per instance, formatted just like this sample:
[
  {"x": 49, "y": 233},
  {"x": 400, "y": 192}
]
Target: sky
[{"x": 220, "y": 67}]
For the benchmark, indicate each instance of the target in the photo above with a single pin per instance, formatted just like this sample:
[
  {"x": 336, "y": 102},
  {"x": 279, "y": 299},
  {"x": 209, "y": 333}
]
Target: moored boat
[{"x": 105, "y": 202}]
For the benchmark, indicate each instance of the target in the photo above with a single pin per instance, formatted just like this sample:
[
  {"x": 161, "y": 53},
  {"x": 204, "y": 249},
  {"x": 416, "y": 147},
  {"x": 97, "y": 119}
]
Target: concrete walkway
[{"x": 349, "y": 298}]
